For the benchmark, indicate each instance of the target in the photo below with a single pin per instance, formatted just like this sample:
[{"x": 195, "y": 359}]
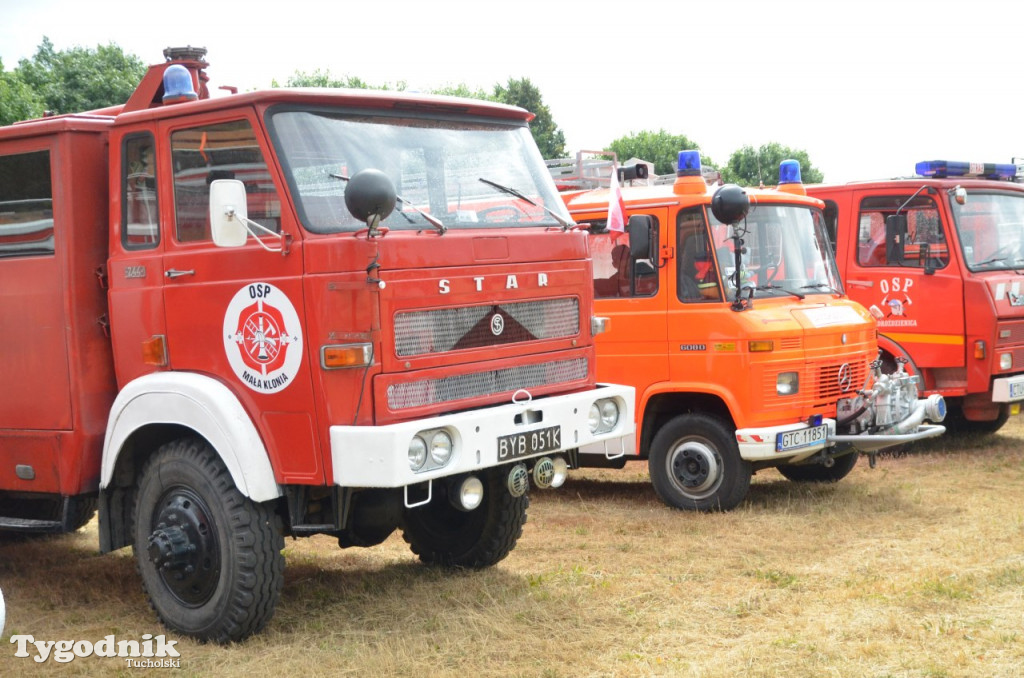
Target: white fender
[{"x": 207, "y": 407}]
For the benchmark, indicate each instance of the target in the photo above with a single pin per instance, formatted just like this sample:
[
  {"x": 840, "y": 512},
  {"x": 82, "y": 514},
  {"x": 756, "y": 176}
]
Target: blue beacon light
[
  {"x": 178, "y": 85},
  {"x": 941, "y": 169},
  {"x": 689, "y": 164},
  {"x": 789, "y": 172}
]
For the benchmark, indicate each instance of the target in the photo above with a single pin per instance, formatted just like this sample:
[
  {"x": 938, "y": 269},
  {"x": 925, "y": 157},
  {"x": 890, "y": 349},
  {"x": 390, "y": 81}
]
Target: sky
[{"x": 866, "y": 88}]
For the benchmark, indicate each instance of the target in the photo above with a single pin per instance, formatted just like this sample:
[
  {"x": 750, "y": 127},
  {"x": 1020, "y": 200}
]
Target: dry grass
[{"x": 914, "y": 568}]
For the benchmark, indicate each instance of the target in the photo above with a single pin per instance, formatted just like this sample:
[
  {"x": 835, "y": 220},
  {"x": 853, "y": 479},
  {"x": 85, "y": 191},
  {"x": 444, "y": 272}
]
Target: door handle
[
  {"x": 175, "y": 273},
  {"x": 860, "y": 283}
]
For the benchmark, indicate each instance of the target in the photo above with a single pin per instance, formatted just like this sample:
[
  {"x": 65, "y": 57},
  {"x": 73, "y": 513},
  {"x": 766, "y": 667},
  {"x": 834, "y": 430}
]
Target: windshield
[
  {"x": 991, "y": 230},
  {"x": 453, "y": 169},
  {"x": 787, "y": 252}
]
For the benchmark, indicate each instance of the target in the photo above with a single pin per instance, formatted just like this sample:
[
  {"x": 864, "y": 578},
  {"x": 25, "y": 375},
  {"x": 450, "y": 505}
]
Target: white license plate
[
  {"x": 531, "y": 442},
  {"x": 1016, "y": 390},
  {"x": 794, "y": 440}
]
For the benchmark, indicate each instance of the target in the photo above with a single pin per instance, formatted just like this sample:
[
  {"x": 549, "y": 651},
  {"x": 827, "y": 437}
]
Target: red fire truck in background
[
  {"x": 729, "y": 318},
  {"x": 939, "y": 261},
  {"x": 289, "y": 312}
]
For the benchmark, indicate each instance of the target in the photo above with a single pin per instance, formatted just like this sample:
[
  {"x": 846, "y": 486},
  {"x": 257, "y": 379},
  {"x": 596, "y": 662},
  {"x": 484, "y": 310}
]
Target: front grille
[
  {"x": 449, "y": 329},
  {"x": 1009, "y": 332},
  {"x": 819, "y": 384},
  {"x": 477, "y": 384},
  {"x": 827, "y": 387}
]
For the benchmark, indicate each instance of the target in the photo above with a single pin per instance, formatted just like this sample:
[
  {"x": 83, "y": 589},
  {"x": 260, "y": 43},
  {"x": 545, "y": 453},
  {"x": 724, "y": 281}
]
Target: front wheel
[
  {"x": 819, "y": 473},
  {"x": 695, "y": 464},
  {"x": 956, "y": 422},
  {"x": 209, "y": 557},
  {"x": 441, "y": 534}
]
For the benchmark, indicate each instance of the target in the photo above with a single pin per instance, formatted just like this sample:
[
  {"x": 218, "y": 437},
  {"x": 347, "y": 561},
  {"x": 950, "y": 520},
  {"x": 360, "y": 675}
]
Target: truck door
[
  {"x": 907, "y": 279},
  {"x": 237, "y": 313},
  {"x": 630, "y": 289},
  {"x": 35, "y": 402}
]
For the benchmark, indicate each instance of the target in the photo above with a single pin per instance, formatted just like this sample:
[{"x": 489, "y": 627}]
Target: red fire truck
[
  {"x": 938, "y": 259},
  {"x": 730, "y": 320},
  {"x": 228, "y": 320}
]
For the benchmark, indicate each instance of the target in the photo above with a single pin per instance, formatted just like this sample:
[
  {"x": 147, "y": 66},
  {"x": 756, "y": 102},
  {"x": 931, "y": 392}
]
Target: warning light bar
[{"x": 940, "y": 169}]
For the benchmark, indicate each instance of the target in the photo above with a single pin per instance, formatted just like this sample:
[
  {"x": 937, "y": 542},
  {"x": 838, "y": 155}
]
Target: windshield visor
[
  {"x": 991, "y": 230},
  {"x": 786, "y": 252},
  {"x": 436, "y": 165}
]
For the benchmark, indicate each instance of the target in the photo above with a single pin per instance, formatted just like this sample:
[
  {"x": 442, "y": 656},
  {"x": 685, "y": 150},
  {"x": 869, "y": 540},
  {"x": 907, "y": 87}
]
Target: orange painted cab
[
  {"x": 728, "y": 316},
  {"x": 937, "y": 260}
]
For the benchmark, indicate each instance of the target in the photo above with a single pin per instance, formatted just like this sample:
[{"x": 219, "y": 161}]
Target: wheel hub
[
  {"x": 183, "y": 547},
  {"x": 695, "y": 467}
]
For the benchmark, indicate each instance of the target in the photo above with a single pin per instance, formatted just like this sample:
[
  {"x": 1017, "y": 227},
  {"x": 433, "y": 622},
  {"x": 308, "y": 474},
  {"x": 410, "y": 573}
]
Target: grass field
[{"x": 913, "y": 568}]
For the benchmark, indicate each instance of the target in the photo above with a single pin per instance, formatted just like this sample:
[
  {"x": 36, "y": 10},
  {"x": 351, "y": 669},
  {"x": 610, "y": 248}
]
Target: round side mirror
[
  {"x": 370, "y": 193},
  {"x": 730, "y": 204}
]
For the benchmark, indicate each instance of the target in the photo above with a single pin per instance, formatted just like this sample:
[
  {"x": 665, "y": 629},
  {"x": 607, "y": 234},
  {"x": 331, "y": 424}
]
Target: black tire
[
  {"x": 956, "y": 423},
  {"x": 819, "y": 473},
  {"x": 209, "y": 557},
  {"x": 441, "y": 534},
  {"x": 695, "y": 464}
]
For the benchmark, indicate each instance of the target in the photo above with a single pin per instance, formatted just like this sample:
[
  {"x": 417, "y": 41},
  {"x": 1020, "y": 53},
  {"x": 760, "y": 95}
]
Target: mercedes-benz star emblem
[{"x": 845, "y": 377}]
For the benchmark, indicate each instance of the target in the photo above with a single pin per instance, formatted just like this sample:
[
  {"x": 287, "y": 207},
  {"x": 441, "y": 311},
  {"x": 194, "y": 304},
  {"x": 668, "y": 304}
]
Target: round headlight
[
  {"x": 471, "y": 493},
  {"x": 609, "y": 414},
  {"x": 441, "y": 448},
  {"x": 417, "y": 453},
  {"x": 594, "y": 418}
]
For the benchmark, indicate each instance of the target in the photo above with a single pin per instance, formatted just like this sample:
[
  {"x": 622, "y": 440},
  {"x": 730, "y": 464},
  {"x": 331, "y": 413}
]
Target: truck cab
[
  {"x": 729, "y": 317},
  {"x": 937, "y": 259},
  {"x": 227, "y": 320}
]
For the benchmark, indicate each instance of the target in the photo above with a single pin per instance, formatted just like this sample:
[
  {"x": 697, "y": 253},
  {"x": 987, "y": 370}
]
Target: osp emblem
[
  {"x": 497, "y": 324},
  {"x": 263, "y": 337},
  {"x": 845, "y": 378}
]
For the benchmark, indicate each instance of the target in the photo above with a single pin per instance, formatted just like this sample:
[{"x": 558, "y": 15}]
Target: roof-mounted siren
[
  {"x": 790, "y": 180},
  {"x": 178, "y": 85},
  {"x": 941, "y": 169},
  {"x": 688, "y": 174}
]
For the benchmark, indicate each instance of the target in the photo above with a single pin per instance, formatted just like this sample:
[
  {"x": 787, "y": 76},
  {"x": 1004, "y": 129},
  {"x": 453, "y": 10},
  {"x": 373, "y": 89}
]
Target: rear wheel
[
  {"x": 819, "y": 473},
  {"x": 209, "y": 557},
  {"x": 441, "y": 534},
  {"x": 695, "y": 464},
  {"x": 956, "y": 422}
]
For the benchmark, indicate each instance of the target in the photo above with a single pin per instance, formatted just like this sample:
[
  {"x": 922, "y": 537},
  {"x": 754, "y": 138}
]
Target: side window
[
  {"x": 697, "y": 279},
  {"x": 201, "y": 155},
  {"x": 831, "y": 215},
  {"x": 922, "y": 243},
  {"x": 26, "y": 205},
  {"x": 140, "y": 223},
  {"x": 617, "y": 272}
]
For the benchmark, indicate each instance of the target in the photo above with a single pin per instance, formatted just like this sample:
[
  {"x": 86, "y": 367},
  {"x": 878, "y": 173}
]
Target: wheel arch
[
  {"x": 660, "y": 408},
  {"x": 157, "y": 408}
]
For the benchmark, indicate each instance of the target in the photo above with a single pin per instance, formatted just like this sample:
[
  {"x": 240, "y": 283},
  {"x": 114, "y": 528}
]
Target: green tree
[
  {"x": 81, "y": 79},
  {"x": 323, "y": 78},
  {"x": 17, "y": 100},
  {"x": 525, "y": 94},
  {"x": 751, "y": 166},
  {"x": 660, "y": 148}
]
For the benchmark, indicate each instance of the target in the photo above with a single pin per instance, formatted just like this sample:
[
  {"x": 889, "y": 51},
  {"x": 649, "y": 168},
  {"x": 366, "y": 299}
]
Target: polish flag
[{"x": 616, "y": 207}]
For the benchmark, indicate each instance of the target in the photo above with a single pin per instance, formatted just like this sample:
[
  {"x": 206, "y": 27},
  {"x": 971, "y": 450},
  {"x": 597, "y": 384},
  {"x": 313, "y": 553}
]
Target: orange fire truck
[
  {"x": 226, "y": 320},
  {"x": 729, "y": 318},
  {"x": 938, "y": 259}
]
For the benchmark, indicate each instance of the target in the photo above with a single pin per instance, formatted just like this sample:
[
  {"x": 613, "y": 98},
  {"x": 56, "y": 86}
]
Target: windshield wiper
[
  {"x": 434, "y": 221},
  {"x": 762, "y": 288},
  {"x": 818, "y": 286},
  {"x": 513, "y": 192}
]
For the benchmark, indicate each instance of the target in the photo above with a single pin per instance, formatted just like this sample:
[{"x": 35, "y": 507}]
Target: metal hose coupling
[{"x": 932, "y": 408}]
